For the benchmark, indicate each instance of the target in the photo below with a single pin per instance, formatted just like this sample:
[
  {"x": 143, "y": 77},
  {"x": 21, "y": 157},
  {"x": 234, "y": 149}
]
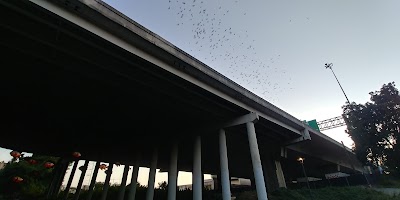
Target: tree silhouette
[
  {"x": 163, "y": 185},
  {"x": 374, "y": 128}
]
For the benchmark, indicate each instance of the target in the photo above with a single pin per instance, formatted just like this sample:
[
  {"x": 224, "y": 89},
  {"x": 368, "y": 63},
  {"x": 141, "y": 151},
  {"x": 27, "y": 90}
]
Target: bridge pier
[
  {"x": 256, "y": 162},
  {"x": 270, "y": 174},
  {"x": 152, "y": 175},
  {"x": 173, "y": 172},
  {"x": 197, "y": 174},
  {"x": 59, "y": 173},
  {"x": 279, "y": 174},
  {"x": 107, "y": 182},
  {"x": 93, "y": 181},
  {"x": 121, "y": 192},
  {"x": 135, "y": 171},
  {"x": 225, "y": 180},
  {"x": 71, "y": 177},
  {"x": 80, "y": 183}
]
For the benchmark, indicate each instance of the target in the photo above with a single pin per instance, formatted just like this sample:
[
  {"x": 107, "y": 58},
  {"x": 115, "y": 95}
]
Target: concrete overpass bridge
[{"x": 81, "y": 76}]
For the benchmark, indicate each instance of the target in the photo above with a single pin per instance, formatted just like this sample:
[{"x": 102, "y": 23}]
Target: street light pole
[
  {"x": 301, "y": 160},
  {"x": 329, "y": 66}
]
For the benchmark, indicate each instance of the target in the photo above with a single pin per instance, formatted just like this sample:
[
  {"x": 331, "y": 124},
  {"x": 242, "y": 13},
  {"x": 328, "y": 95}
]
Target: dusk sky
[{"x": 277, "y": 49}]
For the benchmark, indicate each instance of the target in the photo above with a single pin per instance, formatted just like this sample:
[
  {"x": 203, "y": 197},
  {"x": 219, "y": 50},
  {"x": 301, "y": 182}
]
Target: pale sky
[{"x": 277, "y": 49}]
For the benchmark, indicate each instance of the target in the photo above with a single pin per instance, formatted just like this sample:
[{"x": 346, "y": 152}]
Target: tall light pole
[
  {"x": 301, "y": 160},
  {"x": 329, "y": 66}
]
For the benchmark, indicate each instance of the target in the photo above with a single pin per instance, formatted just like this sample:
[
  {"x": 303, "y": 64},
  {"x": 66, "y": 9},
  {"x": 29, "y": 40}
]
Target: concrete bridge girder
[{"x": 100, "y": 74}]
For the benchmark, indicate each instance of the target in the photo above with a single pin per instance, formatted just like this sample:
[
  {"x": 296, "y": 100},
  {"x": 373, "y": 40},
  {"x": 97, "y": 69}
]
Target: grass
[
  {"x": 329, "y": 193},
  {"x": 388, "y": 182}
]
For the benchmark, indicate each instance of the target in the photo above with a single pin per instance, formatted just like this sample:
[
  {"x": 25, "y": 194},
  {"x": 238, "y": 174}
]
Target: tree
[
  {"x": 163, "y": 185},
  {"x": 36, "y": 177},
  {"x": 374, "y": 128}
]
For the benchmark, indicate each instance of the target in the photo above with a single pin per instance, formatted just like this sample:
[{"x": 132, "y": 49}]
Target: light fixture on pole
[
  {"x": 301, "y": 160},
  {"x": 329, "y": 66}
]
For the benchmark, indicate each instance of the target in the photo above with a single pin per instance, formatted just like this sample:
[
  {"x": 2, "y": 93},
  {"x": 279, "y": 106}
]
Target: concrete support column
[
  {"x": 256, "y": 162},
  {"x": 132, "y": 190},
  {"x": 79, "y": 187},
  {"x": 121, "y": 192},
  {"x": 223, "y": 155},
  {"x": 196, "y": 174},
  {"x": 71, "y": 177},
  {"x": 270, "y": 175},
  {"x": 60, "y": 178},
  {"x": 216, "y": 180},
  {"x": 202, "y": 181},
  {"x": 152, "y": 176},
  {"x": 93, "y": 181},
  {"x": 173, "y": 172},
  {"x": 58, "y": 174},
  {"x": 55, "y": 173},
  {"x": 279, "y": 174},
  {"x": 107, "y": 182}
]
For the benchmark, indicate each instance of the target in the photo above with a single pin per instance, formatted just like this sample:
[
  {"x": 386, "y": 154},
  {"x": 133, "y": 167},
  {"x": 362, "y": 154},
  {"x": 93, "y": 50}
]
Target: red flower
[
  {"x": 103, "y": 166},
  {"x": 48, "y": 165},
  {"x": 17, "y": 179},
  {"x": 15, "y": 154},
  {"x": 32, "y": 161},
  {"x": 76, "y": 154}
]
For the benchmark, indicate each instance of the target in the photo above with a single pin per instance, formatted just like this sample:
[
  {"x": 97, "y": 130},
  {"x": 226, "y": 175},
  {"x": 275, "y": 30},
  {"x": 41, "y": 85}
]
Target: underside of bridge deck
[{"x": 65, "y": 89}]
